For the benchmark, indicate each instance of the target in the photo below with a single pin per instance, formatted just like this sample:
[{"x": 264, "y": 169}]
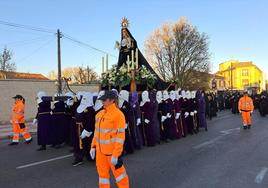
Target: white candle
[
  {"x": 137, "y": 57},
  {"x": 128, "y": 63},
  {"x": 132, "y": 59},
  {"x": 102, "y": 64},
  {"x": 106, "y": 62}
]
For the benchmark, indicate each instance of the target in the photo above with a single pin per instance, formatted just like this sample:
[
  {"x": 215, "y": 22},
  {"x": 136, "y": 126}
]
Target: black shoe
[
  {"x": 13, "y": 143},
  {"x": 42, "y": 148},
  {"x": 245, "y": 127},
  {"x": 29, "y": 141},
  {"x": 206, "y": 129},
  {"x": 249, "y": 126},
  {"x": 77, "y": 162}
]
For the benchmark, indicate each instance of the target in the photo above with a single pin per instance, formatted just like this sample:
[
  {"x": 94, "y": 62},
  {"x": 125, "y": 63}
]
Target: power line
[
  {"x": 83, "y": 44},
  {"x": 39, "y": 29},
  {"x": 36, "y": 50},
  {"x": 25, "y": 42}
]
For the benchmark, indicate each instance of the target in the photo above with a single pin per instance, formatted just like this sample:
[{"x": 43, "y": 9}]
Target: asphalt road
[{"x": 224, "y": 157}]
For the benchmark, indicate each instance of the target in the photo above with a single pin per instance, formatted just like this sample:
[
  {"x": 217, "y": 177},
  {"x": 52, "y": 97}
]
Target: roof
[
  {"x": 209, "y": 74},
  {"x": 242, "y": 64},
  {"x": 20, "y": 75}
]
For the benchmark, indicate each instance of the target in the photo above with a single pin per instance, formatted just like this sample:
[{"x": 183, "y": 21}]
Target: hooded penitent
[
  {"x": 147, "y": 118},
  {"x": 85, "y": 125}
]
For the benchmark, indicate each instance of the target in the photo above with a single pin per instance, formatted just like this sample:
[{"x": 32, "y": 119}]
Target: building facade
[{"x": 242, "y": 75}]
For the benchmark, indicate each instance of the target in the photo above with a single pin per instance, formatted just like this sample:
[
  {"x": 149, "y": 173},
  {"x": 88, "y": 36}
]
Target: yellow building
[{"x": 241, "y": 75}]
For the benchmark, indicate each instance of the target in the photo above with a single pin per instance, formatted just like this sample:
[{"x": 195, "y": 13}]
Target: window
[
  {"x": 245, "y": 82},
  {"x": 245, "y": 72}
]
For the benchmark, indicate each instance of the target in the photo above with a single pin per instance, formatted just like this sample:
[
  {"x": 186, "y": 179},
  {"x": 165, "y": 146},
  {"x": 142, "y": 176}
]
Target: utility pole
[{"x": 59, "y": 62}]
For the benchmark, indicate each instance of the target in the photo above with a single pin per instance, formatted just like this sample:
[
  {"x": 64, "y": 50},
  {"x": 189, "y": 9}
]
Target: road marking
[
  {"x": 229, "y": 131},
  {"x": 209, "y": 142},
  {"x": 45, "y": 161},
  {"x": 261, "y": 175}
]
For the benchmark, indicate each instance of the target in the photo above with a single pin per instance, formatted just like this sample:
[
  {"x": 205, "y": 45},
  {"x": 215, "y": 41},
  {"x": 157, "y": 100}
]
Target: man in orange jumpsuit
[
  {"x": 18, "y": 122},
  {"x": 108, "y": 142},
  {"x": 246, "y": 107}
]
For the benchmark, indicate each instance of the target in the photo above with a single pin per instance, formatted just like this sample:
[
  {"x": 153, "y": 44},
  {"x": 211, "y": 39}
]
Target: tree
[
  {"x": 79, "y": 75},
  {"x": 178, "y": 51},
  {"x": 5, "y": 61}
]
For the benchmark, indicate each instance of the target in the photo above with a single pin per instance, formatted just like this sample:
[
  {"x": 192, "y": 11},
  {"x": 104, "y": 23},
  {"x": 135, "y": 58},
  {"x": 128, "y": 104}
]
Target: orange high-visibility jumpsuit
[
  {"x": 18, "y": 122},
  {"x": 109, "y": 137},
  {"x": 245, "y": 105}
]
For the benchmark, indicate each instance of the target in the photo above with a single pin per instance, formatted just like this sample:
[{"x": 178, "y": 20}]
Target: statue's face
[{"x": 125, "y": 34}]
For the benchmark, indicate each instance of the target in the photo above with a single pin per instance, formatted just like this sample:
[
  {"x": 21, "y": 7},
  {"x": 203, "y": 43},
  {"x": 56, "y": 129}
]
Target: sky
[{"x": 237, "y": 29}]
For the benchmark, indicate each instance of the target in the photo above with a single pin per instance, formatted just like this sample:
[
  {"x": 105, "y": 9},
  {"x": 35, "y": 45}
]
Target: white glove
[
  {"x": 11, "y": 121},
  {"x": 114, "y": 160},
  {"x": 146, "y": 121},
  {"x": 177, "y": 115},
  {"x": 126, "y": 126},
  {"x": 138, "y": 121},
  {"x": 240, "y": 111},
  {"x": 192, "y": 113},
  {"x": 92, "y": 153},
  {"x": 168, "y": 115},
  {"x": 163, "y": 118},
  {"x": 186, "y": 114},
  {"x": 251, "y": 112},
  {"x": 85, "y": 134},
  {"x": 35, "y": 121},
  {"x": 195, "y": 112}
]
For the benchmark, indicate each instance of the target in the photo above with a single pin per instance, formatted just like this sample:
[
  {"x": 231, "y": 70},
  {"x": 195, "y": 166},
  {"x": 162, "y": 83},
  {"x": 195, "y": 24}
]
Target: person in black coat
[{"x": 84, "y": 129}]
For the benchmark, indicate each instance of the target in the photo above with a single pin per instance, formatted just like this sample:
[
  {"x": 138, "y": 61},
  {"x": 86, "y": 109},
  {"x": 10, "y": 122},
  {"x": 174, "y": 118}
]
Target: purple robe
[
  {"x": 58, "y": 123},
  {"x": 147, "y": 113},
  {"x": 136, "y": 114},
  {"x": 155, "y": 123},
  {"x": 44, "y": 123}
]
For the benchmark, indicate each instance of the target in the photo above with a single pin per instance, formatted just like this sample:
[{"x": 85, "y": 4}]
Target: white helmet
[
  {"x": 159, "y": 96},
  {"x": 165, "y": 95},
  {"x": 172, "y": 95},
  {"x": 40, "y": 94},
  {"x": 70, "y": 100},
  {"x": 145, "y": 96},
  {"x": 98, "y": 104},
  {"x": 183, "y": 94},
  {"x": 193, "y": 94},
  {"x": 86, "y": 101},
  {"x": 123, "y": 96},
  {"x": 79, "y": 95},
  {"x": 188, "y": 94}
]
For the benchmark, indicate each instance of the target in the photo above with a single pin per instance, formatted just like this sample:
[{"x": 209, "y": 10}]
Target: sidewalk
[{"x": 6, "y": 130}]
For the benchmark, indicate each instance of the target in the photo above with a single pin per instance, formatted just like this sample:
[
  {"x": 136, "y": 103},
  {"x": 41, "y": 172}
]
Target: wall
[{"x": 28, "y": 89}]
